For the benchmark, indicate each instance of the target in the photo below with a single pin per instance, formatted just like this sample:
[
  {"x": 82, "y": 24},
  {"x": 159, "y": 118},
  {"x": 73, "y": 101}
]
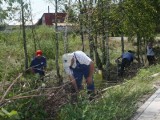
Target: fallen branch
[
  {"x": 22, "y": 97},
  {"x": 14, "y": 81}
]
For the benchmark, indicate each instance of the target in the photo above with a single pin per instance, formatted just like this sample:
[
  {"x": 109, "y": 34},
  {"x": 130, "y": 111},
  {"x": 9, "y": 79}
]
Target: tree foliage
[{"x": 11, "y": 11}]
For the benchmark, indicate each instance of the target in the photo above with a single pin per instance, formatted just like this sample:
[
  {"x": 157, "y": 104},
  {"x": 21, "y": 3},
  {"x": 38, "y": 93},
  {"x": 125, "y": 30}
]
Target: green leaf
[
  {"x": 12, "y": 113},
  {"x": 2, "y": 114},
  {"x": 5, "y": 111}
]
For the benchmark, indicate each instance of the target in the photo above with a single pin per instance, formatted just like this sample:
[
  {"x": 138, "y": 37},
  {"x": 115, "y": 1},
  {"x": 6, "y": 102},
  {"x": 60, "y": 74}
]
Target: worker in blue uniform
[
  {"x": 127, "y": 59},
  {"x": 78, "y": 65},
  {"x": 38, "y": 64}
]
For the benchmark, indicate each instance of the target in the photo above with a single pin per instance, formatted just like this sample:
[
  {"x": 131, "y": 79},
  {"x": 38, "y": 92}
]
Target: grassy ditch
[{"x": 117, "y": 103}]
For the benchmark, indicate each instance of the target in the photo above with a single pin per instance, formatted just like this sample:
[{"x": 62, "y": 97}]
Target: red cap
[{"x": 38, "y": 52}]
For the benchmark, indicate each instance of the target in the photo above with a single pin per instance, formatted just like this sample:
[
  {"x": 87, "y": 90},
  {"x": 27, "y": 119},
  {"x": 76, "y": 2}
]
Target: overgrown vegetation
[
  {"x": 22, "y": 93},
  {"x": 25, "y": 101},
  {"x": 118, "y": 102}
]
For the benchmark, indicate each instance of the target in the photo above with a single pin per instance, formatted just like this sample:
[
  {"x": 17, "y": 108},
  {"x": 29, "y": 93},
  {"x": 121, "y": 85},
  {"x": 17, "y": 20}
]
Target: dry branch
[{"x": 14, "y": 81}]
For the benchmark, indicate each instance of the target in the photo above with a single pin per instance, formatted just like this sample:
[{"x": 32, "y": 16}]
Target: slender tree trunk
[
  {"x": 66, "y": 30},
  {"x": 34, "y": 40},
  {"x": 24, "y": 37},
  {"x": 103, "y": 47},
  {"x": 57, "y": 47},
  {"x": 107, "y": 43},
  {"x": 66, "y": 36},
  {"x": 33, "y": 32},
  {"x": 81, "y": 24},
  {"x": 122, "y": 34},
  {"x": 97, "y": 58},
  {"x": 107, "y": 58},
  {"x": 138, "y": 45},
  {"x": 91, "y": 42},
  {"x": 122, "y": 42},
  {"x": 103, "y": 34}
]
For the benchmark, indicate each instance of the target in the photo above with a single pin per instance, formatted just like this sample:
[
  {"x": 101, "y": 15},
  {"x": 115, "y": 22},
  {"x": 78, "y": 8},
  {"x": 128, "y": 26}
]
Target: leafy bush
[{"x": 5, "y": 115}]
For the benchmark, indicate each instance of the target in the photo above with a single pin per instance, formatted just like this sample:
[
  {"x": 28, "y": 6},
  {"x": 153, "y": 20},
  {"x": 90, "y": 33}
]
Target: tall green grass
[
  {"x": 12, "y": 63},
  {"x": 117, "y": 103}
]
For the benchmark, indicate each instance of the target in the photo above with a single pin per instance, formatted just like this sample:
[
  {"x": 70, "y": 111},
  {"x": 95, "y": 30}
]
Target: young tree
[
  {"x": 9, "y": 12},
  {"x": 139, "y": 20},
  {"x": 81, "y": 23},
  {"x": 24, "y": 35},
  {"x": 57, "y": 45}
]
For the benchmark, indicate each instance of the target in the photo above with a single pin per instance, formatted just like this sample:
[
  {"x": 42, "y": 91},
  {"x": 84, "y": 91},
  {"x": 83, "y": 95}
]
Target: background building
[{"x": 49, "y": 18}]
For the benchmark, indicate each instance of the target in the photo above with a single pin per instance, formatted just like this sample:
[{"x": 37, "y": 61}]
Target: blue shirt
[
  {"x": 129, "y": 56},
  {"x": 38, "y": 62}
]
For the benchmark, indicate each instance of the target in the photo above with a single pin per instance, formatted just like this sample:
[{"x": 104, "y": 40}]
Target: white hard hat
[{"x": 67, "y": 59}]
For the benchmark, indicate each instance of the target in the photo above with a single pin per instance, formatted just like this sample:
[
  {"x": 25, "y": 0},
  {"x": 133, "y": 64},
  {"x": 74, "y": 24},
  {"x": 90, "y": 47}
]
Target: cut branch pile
[{"x": 55, "y": 97}]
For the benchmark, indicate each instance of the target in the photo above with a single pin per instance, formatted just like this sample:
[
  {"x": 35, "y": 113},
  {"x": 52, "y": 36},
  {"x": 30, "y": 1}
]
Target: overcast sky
[{"x": 39, "y": 7}]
